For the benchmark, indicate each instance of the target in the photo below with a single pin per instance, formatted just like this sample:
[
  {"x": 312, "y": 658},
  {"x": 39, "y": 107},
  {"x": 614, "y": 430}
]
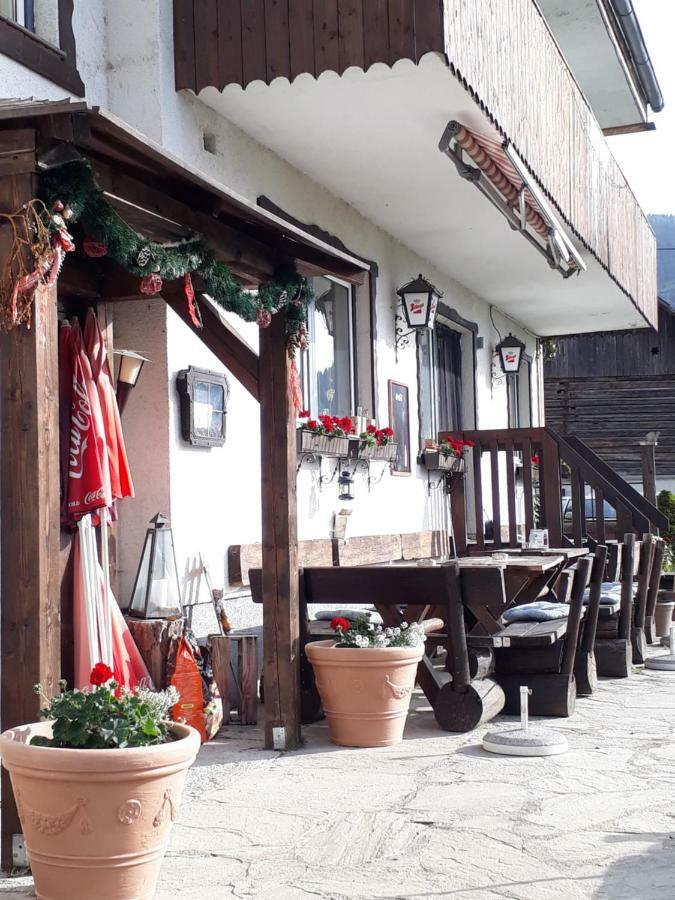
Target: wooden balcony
[{"x": 511, "y": 81}]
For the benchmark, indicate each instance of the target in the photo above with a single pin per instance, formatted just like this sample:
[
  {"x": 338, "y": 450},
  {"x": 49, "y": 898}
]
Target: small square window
[{"x": 203, "y": 406}]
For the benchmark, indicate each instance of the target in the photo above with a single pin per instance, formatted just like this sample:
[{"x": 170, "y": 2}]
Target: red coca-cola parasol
[{"x": 120, "y": 475}]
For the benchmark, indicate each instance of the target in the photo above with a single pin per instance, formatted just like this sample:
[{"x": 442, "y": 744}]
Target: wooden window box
[
  {"x": 434, "y": 460},
  {"x": 322, "y": 445},
  {"x": 359, "y": 449}
]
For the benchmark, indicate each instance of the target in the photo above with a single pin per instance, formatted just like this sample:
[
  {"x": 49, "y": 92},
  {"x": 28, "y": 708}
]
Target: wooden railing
[{"x": 519, "y": 480}]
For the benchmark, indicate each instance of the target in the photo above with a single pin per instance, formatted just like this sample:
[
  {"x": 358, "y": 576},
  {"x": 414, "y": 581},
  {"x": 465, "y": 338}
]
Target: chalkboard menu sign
[{"x": 399, "y": 419}]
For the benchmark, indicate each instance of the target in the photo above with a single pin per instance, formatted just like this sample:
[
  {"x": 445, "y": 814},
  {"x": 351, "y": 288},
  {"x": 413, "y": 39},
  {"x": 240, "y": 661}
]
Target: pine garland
[{"x": 73, "y": 185}]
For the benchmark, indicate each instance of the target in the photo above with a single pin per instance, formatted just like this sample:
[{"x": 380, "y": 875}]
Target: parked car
[{"x": 591, "y": 524}]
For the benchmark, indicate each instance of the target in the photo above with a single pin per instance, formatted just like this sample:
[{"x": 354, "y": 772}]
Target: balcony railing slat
[
  {"x": 253, "y": 50},
  {"x": 428, "y": 27},
  {"x": 277, "y": 39},
  {"x": 229, "y": 43},
  {"x": 528, "y": 487},
  {"x": 599, "y": 517},
  {"x": 326, "y": 51},
  {"x": 301, "y": 39},
  {"x": 401, "y": 29},
  {"x": 376, "y": 32},
  {"x": 207, "y": 70},
  {"x": 577, "y": 504},
  {"x": 350, "y": 32},
  {"x": 478, "y": 493},
  {"x": 496, "y": 494},
  {"x": 511, "y": 493}
]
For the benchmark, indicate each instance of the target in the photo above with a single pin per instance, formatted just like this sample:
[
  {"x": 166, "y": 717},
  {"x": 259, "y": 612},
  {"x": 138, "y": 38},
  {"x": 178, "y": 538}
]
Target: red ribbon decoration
[{"x": 193, "y": 308}]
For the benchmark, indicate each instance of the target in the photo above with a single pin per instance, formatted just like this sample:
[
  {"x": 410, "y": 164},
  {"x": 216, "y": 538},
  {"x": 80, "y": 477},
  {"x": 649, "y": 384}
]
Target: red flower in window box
[{"x": 338, "y": 623}]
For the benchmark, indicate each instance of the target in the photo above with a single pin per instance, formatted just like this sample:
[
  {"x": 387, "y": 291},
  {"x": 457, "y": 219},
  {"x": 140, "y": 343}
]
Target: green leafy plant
[
  {"x": 666, "y": 504},
  {"x": 105, "y": 718}
]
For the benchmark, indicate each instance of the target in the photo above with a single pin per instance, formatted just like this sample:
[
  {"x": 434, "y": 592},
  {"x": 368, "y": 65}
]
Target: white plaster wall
[
  {"x": 142, "y": 327},
  {"x": 125, "y": 56},
  {"x": 215, "y": 493}
]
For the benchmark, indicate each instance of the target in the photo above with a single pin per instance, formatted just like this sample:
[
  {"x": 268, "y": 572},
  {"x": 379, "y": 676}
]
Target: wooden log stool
[
  {"x": 247, "y": 674},
  {"x": 155, "y": 639}
]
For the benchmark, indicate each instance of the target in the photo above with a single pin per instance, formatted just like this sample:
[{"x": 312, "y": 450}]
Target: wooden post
[
  {"x": 281, "y": 620},
  {"x": 648, "y": 456},
  {"x": 29, "y": 480}
]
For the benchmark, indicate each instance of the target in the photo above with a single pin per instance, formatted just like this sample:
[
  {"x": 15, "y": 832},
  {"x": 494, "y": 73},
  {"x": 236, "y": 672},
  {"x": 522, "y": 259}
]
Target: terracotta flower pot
[
  {"x": 96, "y": 822},
  {"x": 663, "y": 618},
  {"x": 365, "y": 692}
]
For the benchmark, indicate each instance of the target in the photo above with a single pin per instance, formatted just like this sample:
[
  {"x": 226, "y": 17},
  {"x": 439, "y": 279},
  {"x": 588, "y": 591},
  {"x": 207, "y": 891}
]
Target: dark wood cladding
[
  {"x": 610, "y": 389},
  {"x": 221, "y": 42},
  {"x": 612, "y": 416},
  {"x": 634, "y": 354}
]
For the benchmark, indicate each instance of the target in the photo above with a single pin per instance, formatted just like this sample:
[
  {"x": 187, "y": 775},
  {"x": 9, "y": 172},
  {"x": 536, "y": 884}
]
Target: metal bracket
[
  {"x": 308, "y": 456},
  {"x": 402, "y": 337}
]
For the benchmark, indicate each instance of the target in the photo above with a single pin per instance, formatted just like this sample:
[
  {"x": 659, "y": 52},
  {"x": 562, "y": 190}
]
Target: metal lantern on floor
[
  {"x": 420, "y": 301},
  {"x": 156, "y": 593},
  {"x": 510, "y": 352}
]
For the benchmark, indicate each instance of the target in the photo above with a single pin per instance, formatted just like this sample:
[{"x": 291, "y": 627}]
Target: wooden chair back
[
  {"x": 590, "y": 625},
  {"x": 627, "y": 576},
  {"x": 655, "y": 576},
  {"x": 582, "y": 574},
  {"x": 646, "y": 559}
]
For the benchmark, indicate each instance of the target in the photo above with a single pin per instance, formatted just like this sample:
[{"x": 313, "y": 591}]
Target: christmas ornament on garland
[
  {"x": 73, "y": 183},
  {"x": 39, "y": 236},
  {"x": 93, "y": 248},
  {"x": 193, "y": 308},
  {"x": 151, "y": 284}
]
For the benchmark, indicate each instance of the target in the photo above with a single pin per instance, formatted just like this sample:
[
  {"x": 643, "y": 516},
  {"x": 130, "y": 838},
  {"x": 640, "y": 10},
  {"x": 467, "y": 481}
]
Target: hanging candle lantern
[
  {"x": 420, "y": 302},
  {"x": 510, "y": 352},
  {"x": 156, "y": 593}
]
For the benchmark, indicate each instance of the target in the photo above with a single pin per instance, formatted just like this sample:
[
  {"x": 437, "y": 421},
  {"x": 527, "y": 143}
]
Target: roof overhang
[
  {"x": 590, "y": 37},
  {"x": 165, "y": 199},
  {"x": 372, "y": 139}
]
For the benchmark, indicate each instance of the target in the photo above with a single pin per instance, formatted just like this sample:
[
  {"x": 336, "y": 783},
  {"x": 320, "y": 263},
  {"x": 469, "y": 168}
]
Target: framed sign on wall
[{"x": 399, "y": 419}]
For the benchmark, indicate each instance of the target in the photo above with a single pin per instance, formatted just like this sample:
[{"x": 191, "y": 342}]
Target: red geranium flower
[
  {"x": 468, "y": 443},
  {"x": 304, "y": 414},
  {"x": 371, "y": 429},
  {"x": 535, "y": 459},
  {"x": 389, "y": 432},
  {"x": 313, "y": 424},
  {"x": 100, "y": 674},
  {"x": 339, "y": 622}
]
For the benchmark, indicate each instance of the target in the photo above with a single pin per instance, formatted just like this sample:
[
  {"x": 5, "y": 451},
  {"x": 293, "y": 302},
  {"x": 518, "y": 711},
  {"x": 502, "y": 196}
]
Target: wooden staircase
[{"x": 518, "y": 479}]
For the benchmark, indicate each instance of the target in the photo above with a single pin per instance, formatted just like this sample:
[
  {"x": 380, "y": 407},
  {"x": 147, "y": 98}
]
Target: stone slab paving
[{"x": 436, "y": 817}]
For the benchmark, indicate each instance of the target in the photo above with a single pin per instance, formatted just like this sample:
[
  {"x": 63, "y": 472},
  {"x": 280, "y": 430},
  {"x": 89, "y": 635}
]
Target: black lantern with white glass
[
  {"x": 156, "y": 593},
  {"x": 510, "y": 352}
]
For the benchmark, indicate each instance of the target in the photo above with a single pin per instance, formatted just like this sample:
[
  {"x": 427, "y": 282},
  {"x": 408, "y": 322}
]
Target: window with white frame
[
  {"x": 439, "y": 371},
  {"x": 20, "y": 11},
  {"x": 328, "y": 365}
]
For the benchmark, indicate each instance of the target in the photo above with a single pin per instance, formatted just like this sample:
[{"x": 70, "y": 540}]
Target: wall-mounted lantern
[
  {"x": 419, "y": 299},
  {"x": 156, "y": 593},
  {"x": 128, "y": 374},
  {"x": 510, "y": 352},
  {"x": 203, "y": 406}
]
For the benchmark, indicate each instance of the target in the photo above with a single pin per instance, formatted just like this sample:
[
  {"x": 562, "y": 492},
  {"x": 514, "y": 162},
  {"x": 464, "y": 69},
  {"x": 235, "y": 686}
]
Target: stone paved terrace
[{"x": 436, "y": 817}]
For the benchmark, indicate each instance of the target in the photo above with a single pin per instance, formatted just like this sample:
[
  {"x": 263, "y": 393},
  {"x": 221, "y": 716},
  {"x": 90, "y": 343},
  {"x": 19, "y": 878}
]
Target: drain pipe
[{"x": 632, "y": 32}]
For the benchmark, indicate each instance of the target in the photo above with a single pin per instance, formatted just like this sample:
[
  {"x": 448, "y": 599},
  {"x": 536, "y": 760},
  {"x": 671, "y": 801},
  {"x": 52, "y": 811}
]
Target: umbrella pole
[
  {"x": 106, "y": 623},
  {"x": 89, "y": 613}
]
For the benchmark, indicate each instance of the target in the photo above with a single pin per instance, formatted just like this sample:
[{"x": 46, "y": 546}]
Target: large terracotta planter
[
  {"x": 96, "y": 822},
  {"x": 365, "y": 692},
  {"x": 663, "y": 617}
]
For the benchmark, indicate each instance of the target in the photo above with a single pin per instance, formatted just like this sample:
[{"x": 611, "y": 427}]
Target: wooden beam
[
  {"x": 281, "y": 619},
  {"x": 29, "y": 480},
  {"x": 234, "y": 353},
  {"x": 634, "y": 128}
]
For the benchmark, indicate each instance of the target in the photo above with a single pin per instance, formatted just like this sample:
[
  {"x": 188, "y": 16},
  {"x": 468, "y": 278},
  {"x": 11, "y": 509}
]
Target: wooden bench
[
  {"x": 542, "y": 655},
  {"x": 621, "y": 638},
  {"x": 460, "y": 701}
]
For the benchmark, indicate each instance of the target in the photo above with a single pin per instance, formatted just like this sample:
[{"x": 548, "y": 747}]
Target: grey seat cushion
[
  {"x": 610, "y": 593},
  {"x": 366, "y": 612},
  {"x": 539, "y": 611}
]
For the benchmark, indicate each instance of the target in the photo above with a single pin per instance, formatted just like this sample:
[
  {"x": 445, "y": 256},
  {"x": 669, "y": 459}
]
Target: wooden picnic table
[{"x": 525, "y": 575}]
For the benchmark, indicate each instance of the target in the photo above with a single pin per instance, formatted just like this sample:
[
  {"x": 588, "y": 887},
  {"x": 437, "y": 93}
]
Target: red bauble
[
  {"x": 151, "y": 284},
  {"x": 94, "y": 248},
  {"x": 263, "y": 318}
]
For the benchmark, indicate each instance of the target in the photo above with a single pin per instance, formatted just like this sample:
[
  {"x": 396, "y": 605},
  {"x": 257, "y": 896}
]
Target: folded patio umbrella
[
  {"x": 101, "y": 634},
  {"x": 120, "y": 475}
]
